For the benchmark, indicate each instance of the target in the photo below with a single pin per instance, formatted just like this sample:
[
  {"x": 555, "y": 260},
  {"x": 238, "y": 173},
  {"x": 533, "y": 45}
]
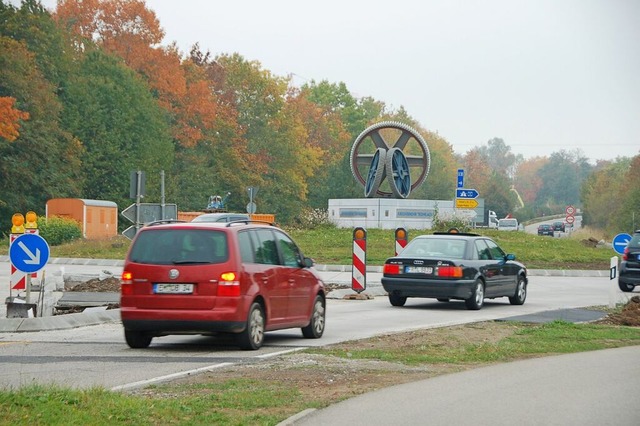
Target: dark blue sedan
[{"x": 457, "y": 266}]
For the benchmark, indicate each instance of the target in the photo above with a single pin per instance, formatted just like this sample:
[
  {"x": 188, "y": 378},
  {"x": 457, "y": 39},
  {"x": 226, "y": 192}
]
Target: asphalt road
[
  {"x": 98, "y": 356},
  {"x": 589, "y": 388}
]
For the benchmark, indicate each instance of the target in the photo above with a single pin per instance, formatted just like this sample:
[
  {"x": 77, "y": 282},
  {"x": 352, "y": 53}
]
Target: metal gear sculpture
[{"x": 390, "y": 159}]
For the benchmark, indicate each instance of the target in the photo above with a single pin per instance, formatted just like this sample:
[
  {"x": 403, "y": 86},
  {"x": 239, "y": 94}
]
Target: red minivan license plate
[{"x": 172, "y": 288}]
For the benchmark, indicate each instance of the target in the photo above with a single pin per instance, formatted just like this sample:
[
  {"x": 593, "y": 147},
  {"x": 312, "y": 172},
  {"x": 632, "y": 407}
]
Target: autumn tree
[
  {"x": 43, "y": 161},
  {"x": 10, "y": 118},
  {"x": 630, "y": 197},
  {"x": 600, "y": 195},
  {"x": 221, "y": 162},
  {"x": 355, "y": 114}
]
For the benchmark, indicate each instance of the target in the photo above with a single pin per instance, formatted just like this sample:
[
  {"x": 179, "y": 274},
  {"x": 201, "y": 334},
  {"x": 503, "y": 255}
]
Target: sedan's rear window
[
  {"x": 450, "y": 248},
  {"x": 178, "y": 246}
]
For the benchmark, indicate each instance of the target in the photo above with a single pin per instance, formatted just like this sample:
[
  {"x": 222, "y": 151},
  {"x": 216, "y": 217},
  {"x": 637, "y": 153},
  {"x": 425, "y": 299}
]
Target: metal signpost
[
  {"x": 29, "y": 253},
  {"x": 141, "y": 213}
]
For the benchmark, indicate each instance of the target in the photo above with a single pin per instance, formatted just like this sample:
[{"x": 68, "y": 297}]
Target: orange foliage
[
  {"x": 9, "y": 119},
  {"x": 130, "y": 30},
  {"x": 528, "y": 180},
  {"x": 325, "y": 131},
  {"x": 477, "y": 173}
]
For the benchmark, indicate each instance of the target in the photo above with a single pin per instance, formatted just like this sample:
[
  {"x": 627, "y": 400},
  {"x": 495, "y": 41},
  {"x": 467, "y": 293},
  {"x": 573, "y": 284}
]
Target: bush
[
  {"x": 59, "y": 230},
  {"x": 312, "y": 219},
  {"x": 443, "y": 223}
]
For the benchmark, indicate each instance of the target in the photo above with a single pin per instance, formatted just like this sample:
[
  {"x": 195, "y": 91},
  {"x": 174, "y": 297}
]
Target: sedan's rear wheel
[
  {"x": 137, "y": 339},
  {"x": 521, "y": 292},
  {"x": 253, "y": 335},
  {"x": 397, "y": 300},
  {"x": 625, "y": 287},
  {"x": 316, "y": 325},
  {"x": 476, "y": 300}
]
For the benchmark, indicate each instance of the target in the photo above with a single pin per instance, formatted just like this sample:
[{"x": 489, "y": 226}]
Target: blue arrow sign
[
  {"x": 466, "y": 193},
  {"x": 620, "y": 242},
  {"x": 29, "y": 253},
  {"x": 460, "y": 178}
]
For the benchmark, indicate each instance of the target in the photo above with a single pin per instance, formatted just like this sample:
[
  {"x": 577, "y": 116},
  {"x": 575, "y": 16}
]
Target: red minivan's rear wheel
[
  {"x": 316, "y": 325},
  {"x": 137, "y": 339},
  {"x": 253, "y": 335}
]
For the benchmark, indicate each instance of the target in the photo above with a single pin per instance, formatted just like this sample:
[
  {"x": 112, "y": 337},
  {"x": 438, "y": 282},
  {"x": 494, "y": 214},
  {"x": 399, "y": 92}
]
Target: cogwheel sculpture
[{"x": 390, "y": 159}]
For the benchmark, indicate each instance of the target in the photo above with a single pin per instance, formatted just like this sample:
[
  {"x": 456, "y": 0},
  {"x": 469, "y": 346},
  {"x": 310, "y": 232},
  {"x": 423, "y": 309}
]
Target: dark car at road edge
[
  {"x": 459, "y": 266},
  {"x": 629, "y": 276}
]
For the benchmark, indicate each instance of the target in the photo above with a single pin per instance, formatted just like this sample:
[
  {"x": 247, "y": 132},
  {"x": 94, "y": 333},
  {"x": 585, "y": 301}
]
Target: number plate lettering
[
  {"x": 171, "y": 288},
  {"x": 419, "y": 270}
]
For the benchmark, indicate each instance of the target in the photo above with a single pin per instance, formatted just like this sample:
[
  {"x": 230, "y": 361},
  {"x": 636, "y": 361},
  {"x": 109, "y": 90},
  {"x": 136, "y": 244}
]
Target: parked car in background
[
  {"x": 545, "y": 229},
  {"x": 508, "y": 224},
  {"x": 221, "y": 217},
  {"x": 629, "y": 275},
  {"x": 559, "y": 226},
  {"x": 452, "y": 265},
  {"x": 244, "y": 278}
]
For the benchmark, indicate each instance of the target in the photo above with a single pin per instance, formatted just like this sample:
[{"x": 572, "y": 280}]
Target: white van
[{"x": 510, "y": 224}]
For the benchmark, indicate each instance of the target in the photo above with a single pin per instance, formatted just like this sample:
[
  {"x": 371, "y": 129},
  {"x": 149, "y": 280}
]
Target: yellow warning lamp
[
  {"x": 359, "y": 234},
  {"x": 32, "y": 220},
  {"x": 18, "y": 224},
  {"x": 401, "y": 234}
]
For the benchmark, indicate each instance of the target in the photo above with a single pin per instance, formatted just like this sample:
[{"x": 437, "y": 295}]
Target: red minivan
[{"x": 241, "y": 277}]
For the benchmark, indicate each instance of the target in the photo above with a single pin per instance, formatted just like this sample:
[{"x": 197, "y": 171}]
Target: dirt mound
[
  {"x": 110, "y": 284},
  {"x": 629, "y": 315}
]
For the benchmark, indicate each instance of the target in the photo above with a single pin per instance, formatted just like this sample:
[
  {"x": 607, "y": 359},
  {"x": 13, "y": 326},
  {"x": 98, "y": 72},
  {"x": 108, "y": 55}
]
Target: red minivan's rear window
[{"x": 179, "y": 246}]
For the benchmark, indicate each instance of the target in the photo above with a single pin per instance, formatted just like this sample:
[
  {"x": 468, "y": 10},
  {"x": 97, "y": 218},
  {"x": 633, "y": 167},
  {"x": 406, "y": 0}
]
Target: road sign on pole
[
  {"x": 460, "y": 178},
  {"x": 150, "y": 212},
  {"x": 29, "y": 253},
  {"x": 466, "y": 193},
  {"x": 620, "y": 242},
  {"x": 464, "y": 203}
]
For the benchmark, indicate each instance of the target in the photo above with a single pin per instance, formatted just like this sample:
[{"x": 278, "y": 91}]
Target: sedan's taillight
[
  {"x": 449, "y": 271},
  {"x": 229, "y": 285},
  {"x": 625, "y": 254},
  {"x": 126, "y": 281},
  {"x": 391, "y": 269}
]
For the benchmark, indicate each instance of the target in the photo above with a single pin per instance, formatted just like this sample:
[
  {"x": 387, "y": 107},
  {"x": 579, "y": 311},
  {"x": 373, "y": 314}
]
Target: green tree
[
  {"x": 356, "y": 115},
  {"x": 562, "y": 176},
  {"x": 630, "y": 211},
  {"x": 43, "y": 162},
  {"x": 32, "y": 24},
  {"x": 274, "y": 135},
  {"x": 601, "y": 196},
  {"x": 111, "y": 110},
  {"x": 498, "y": 157}
]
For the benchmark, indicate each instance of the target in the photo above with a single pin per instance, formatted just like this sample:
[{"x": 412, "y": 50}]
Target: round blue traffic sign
[
  {"x": 29, "y": 253},
  {"x": 620, "y": 242}
]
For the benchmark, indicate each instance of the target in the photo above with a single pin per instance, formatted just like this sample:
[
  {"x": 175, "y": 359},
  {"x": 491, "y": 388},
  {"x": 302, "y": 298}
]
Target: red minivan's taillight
[
  {"x": 625, "y": 254},
  {"x": 391, "y": 269},
  {"x": 449, "y": 271},
  {"x": 229, "y": 285},
  {"x": 126, "y": 281}
]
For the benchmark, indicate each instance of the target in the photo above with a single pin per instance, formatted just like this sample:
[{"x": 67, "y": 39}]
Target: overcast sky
[{"x": 543, "y": 75}]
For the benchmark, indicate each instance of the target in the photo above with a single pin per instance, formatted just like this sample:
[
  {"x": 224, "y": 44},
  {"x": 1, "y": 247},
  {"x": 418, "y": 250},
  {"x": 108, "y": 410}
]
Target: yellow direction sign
[{"x": 466, "y": 203}]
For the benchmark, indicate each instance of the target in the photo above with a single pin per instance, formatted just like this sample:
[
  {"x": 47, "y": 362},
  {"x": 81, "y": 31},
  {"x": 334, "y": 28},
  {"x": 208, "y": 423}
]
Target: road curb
[{"x": 58, "y": 322}]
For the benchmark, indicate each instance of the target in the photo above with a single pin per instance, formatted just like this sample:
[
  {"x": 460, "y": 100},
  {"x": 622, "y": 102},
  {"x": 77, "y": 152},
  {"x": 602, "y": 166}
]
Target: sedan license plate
[
  {"x": 171, "y": 288},
  {"x": 419, "y": 270}
]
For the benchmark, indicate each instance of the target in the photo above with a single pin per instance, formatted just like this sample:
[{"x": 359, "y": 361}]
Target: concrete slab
[
  {"x": 568, "y": 315},
  {"x": 87, "y": 298}
]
